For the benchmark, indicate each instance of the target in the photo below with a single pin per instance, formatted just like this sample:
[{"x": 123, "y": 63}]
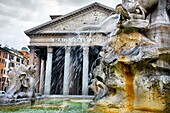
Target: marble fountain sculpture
[
  {"x": 22, "y": 82},
  {"x": 135, "y": 69},
  {"x": 21, "y": 85}
]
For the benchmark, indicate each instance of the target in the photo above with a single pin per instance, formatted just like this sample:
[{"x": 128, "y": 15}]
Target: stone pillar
[
  {"x": 31, "y": 60},
  {"x": 85, "y": 70},
  {"x": 41, "y": 77},
  {"x": 47, "y": 86},
  {"x": 37, "y": 74},
  {"x": 66, "y": 71}
]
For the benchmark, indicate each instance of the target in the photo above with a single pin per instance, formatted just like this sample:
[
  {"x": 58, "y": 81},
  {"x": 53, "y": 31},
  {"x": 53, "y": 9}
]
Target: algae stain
[{"x": 129, "y": 88}]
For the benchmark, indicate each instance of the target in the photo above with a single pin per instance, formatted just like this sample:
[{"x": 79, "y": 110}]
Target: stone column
[
  {"x": 37, "y": 74},
  {"x": 66, "y": 71},
  {"x": 47, "y": 86},
  {"x": 85, "y": 70},
  {"x": 31, "y": 60},
  {"x": 41, "y": 77}
]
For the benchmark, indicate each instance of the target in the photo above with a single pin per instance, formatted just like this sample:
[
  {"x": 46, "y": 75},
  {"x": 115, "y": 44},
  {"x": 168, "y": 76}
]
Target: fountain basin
[{"x": 49, "y": 104}]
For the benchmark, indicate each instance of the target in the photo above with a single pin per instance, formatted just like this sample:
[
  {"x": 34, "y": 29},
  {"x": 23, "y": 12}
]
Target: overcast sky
[{"x": 16, "y": 16}]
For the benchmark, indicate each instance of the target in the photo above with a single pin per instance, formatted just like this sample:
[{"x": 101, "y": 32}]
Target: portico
[{"x": 62, "y": 40}]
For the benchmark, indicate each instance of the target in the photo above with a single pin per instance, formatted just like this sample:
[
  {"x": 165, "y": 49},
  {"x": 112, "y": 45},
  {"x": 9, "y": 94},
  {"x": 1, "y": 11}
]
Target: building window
[
  {"x": 22, "y": 61},
  {"x": 1, "y": 71},
  {"x": 11, "y": 57},
  {"x": 18, "y": 59},
  {"x": 11, "y": 64},
  {"x": 5, "y": 55},
  {"x": 3, "y": 61},
  {"x": 3, "y": 79}
]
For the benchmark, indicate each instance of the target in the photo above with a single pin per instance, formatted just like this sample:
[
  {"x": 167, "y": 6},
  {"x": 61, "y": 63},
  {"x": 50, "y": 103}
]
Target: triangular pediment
[{"x": 92, "y": 14}]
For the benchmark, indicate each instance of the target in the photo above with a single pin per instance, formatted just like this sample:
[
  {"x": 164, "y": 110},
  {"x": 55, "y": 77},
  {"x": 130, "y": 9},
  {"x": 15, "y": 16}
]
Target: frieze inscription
[{"x": 80, "y": 40}]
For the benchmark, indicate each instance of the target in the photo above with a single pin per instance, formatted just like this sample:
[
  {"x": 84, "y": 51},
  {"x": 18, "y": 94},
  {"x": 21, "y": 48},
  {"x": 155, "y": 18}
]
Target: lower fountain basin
[{"x": 48, "y": 105}]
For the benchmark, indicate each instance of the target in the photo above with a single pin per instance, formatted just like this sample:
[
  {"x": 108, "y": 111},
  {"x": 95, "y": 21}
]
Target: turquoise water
[{"x": 51, "y": 106}]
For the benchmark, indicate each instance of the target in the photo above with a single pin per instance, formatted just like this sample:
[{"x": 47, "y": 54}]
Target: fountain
[
  {"x": 131, "y": 75},
  {"x": 136, "y": 67}
]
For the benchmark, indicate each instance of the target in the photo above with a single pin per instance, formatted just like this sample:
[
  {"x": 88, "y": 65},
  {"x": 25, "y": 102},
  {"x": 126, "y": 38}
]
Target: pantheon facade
[{"x": 67, "y": 49}]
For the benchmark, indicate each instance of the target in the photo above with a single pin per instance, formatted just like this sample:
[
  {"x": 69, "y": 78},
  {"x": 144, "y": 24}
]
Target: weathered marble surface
[
  {"x": 137, "y": 68},
  {"x": 138, "y": 74},
  {"x": 21, "y": 82}
]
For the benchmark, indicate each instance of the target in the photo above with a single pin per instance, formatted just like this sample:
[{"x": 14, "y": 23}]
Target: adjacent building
[
  {"x": 2, "y": 66},
  {"x": 9, "y": 58}
]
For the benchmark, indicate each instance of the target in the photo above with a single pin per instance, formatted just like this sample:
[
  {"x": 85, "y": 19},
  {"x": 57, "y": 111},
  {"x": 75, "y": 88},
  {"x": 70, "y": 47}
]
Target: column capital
[
  {"x": 86, "y": 49},
  {"x": 67, "y": 49},
  {"x": 49, "y": 49}
]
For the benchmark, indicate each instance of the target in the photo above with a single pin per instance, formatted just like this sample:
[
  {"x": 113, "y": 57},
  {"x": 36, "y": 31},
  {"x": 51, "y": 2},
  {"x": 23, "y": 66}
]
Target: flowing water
[
  {"x": 75, "y": 80},
  {"x": 57, "y": 70}
]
